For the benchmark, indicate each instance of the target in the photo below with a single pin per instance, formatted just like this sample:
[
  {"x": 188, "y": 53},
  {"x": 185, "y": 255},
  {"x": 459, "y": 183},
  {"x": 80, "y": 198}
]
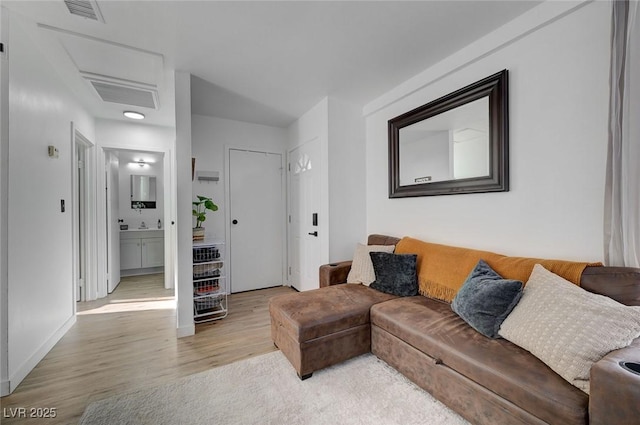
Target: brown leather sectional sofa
[{"x": 486, "y": 381}]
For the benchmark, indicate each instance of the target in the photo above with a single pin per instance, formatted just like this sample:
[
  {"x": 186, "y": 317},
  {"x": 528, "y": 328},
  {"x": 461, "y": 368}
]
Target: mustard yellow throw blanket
[{"x": 442, "y": 269}]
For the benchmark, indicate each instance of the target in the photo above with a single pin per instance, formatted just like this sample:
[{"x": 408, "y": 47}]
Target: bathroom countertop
[
  {"x": 141, "y": 230},
  {"x": 141, "y": 233}
]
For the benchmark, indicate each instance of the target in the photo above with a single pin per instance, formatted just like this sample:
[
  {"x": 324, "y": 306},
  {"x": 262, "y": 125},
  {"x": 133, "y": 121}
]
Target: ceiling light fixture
[
  {"x": 133, "y": 115},
  {"x": 141, "y": 162}
]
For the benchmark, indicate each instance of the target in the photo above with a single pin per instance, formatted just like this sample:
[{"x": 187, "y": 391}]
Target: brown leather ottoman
[{"x": 319, "y": 328}]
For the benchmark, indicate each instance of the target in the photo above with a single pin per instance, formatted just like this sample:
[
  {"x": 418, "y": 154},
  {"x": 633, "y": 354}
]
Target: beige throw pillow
[
  {"x": 567, "y": 327},
  {"x": 362, "y": 267}
]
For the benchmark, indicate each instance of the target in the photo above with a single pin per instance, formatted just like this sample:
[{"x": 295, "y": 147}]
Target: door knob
[
  {"x": 234, "y": 222},
  {"x": 314, "y": 234}
]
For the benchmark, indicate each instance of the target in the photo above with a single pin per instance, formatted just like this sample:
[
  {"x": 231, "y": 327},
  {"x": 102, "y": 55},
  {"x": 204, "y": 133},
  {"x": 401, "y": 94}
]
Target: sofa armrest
[
  {"x": 614, "y": 391},
  {"x": 334, "y": 273}
]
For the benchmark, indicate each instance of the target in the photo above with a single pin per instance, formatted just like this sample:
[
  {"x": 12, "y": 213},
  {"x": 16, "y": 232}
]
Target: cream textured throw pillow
[
  {"x": 567, "y": 327},
  {"x": 362, "y": 267}
]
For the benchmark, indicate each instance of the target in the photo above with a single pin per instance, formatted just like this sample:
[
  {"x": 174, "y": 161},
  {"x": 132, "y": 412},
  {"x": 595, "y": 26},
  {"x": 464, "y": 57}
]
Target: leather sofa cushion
[
  {"x": 319, "y": 312},
  {"x": 500, "y": 366},
  {"x": 382, "y": 240},
  {"x": 619, "y": 283}
]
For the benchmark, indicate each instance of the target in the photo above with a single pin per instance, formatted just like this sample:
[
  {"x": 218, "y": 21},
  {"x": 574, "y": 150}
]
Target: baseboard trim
[
  {"x": 28, "y": 365},
  {"x": 140, "y": 272},
  {"x": 183, "y": 331},
  {"x": 4, "y": 388}
]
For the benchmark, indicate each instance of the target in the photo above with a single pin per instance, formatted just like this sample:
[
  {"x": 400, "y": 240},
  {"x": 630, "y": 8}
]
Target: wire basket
[
  {"x": 203, "y": 271},
  {"x": 206, "y": 287},
  {"x": 205, "y": 253},
  {"x": 209, "y": 303}
]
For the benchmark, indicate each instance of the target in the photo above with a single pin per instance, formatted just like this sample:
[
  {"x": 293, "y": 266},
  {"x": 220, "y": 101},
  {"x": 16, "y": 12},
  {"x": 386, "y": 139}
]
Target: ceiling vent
[
  {"x": 124, "y": 92},
  {"x": 86, "y": 8}
]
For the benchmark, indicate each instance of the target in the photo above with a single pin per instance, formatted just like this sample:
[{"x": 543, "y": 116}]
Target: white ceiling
[{"x": 264, "y": 62}]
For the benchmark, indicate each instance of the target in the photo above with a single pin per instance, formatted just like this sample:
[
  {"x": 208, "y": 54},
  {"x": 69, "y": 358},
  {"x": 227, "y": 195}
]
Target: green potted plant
[{"x": 199, "y": 211}]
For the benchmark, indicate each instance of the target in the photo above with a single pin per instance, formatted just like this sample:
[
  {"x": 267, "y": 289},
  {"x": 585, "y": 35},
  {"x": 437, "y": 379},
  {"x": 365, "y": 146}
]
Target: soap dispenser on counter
[{"x": 159, "y": 224}]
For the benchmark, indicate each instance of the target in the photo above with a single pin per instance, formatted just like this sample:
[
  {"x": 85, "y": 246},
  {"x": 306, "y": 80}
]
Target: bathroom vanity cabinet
[{"x": 141, "y": 251}]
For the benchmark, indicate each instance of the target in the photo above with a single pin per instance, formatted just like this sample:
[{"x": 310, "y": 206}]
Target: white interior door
[
  {"x": 304, "y": 221},
  {"x": 113, "y": 228},
  {"x": 257, "y": 215}
]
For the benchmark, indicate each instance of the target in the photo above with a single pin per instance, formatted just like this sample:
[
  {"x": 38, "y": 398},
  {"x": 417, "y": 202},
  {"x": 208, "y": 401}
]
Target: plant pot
[{"x": 198, "y": 233}]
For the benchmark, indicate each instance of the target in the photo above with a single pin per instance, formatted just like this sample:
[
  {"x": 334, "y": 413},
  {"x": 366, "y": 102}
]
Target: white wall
[
  {"x": 558, "y": 95},
  {"x": 340, "y": 128},
  {"x": 4, "y": 212},
  {"x": 40, "y": 280},
  {"x": 315, "y": 124},
  {"x": 347, "y": 181},
  {"x": 209, "y": 136},
  {"x": 134, "y": 136},
  {"x": 182, "y": 209}
]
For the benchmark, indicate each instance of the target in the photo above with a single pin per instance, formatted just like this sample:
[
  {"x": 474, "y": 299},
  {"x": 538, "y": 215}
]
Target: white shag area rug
[{"x": 266, "y": 390}]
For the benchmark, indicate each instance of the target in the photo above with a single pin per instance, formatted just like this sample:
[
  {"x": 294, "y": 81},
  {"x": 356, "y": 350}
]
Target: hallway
[{"x": 127, "y": 341}]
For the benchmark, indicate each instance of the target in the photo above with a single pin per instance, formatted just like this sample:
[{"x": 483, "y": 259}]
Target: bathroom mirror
[
  {"x": 455, "y": 144},
  {"x": 143, "y": 192}
]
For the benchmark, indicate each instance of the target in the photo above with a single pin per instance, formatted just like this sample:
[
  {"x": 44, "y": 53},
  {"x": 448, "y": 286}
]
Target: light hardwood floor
[{"x": 127, "y": 341}]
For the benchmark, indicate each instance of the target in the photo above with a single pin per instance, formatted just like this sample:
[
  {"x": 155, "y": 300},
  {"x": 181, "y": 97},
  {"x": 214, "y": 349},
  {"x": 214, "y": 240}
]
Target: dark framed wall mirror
[{"x": 458, "y": 143}]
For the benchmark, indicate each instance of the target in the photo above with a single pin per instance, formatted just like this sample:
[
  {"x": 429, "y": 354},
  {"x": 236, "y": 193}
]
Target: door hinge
[
  {"x": 1, "y": 47},
  {"x": 289, "y": 218},
  {"x": 289, "y": 166},
  {"x": 289, "y": 270}
]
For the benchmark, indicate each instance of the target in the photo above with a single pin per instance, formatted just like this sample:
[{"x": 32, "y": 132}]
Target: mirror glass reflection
[
  {"x": 143, "y": 191},
  {"x": 449, "y": 146}
]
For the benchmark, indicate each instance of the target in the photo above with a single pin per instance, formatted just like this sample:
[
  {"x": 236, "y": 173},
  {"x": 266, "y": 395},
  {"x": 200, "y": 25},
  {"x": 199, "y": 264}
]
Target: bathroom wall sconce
[
  {"x": 140, "y": 163},
  {"x": 133, "y": 115}
]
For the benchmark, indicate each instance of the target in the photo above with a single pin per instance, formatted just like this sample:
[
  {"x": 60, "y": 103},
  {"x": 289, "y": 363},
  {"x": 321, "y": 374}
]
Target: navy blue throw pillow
[
  {"x": 395, "y": 273},
  {"x": 486, "y": 299}
]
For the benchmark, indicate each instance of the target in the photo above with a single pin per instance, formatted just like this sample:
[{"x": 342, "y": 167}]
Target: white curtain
[{"x": 622, "y": 191}]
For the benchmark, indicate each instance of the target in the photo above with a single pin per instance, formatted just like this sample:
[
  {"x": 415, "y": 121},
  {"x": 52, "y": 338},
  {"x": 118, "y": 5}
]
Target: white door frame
[
  {"x": 227, "y": 204},
  {"x": 169, "y": 213},
  {"x": 86, "y": 248}
]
